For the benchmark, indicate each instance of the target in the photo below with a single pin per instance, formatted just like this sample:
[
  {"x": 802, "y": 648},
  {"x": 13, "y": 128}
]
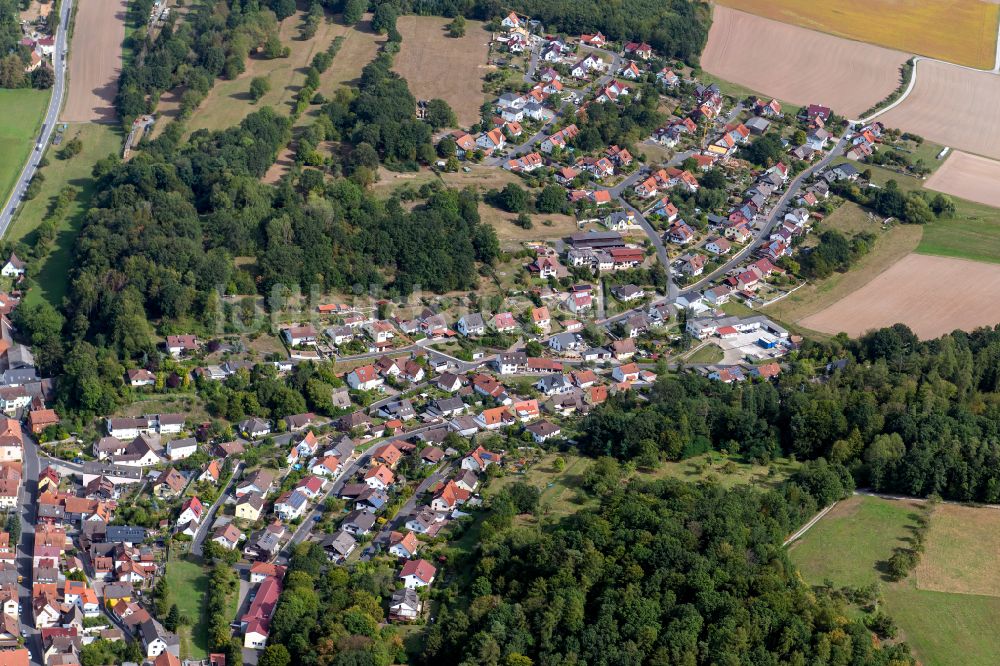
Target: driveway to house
[
  {"x": 199, "y": 537},
  {"x": 405, "y": 511}
]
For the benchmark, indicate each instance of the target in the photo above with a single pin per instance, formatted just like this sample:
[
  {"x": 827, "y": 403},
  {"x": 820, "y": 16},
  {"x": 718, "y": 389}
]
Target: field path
[{"x": 805, "y": 528}]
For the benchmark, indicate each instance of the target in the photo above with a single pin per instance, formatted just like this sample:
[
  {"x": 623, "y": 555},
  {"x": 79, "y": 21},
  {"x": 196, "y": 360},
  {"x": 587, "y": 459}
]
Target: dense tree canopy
[
  {"x": 677, "y": 28},
  {"x": 669, "y": 573},
  {"x": 904, "y": 415}
]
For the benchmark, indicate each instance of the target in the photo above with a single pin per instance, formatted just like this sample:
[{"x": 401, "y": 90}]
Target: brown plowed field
[
  {"x": 953, "y": 106},
  {"x": 95, "y": 61},
  {"x": 931, "y": 295},
  {"x": 438, "y": 66},
  {"x": 798, "y": 65},
  {"x": 968, "y": 177}
]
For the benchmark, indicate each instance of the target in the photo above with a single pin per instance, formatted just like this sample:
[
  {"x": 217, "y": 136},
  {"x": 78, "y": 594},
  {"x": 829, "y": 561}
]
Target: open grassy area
[
  {"x": 959, "y": 31},
  {"x": 945, "y": 629},
  {"x": 21, "y": 113},
  {"x": 960, "y": 540},
  {"x": 559, "y": 488},
  {"x": 436, "y": 65},
  {"x": 845, "y": 545},
  {"x": 50, "y": 274},
  {"x": 188, "y": 583},
  {"x": 862, "y": 531},
  {"x": 972, "y": 233},
  {"x": 708, "y": 353},
  {"x": 728, "y": 470}
]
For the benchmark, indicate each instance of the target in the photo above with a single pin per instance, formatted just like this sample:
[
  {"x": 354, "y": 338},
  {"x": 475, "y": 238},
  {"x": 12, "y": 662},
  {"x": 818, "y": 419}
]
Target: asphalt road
[
  {"x": 202, "y": 533},
  {"x": 302, "y": 533},
  {"x": 27, "y": 508},
  {"x": 776, "y": 216},
  {"x": 51, "y": 115}
]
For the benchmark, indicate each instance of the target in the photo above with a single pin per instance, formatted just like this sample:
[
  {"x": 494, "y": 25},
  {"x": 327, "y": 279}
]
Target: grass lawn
[
  {"x": 50, "y": 274},
  {"x": 21, "y": 113},
  {"x": 709, "y": 353},
  {"x": 188, "y": 584},
  {"x": 862, "y": 531},
  {"x": 726, "y": 469},
  {"x": 960, "y": 551}
]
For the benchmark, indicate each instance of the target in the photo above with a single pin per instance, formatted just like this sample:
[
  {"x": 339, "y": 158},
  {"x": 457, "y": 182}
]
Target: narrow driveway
[{"x": 199, "y": 537}]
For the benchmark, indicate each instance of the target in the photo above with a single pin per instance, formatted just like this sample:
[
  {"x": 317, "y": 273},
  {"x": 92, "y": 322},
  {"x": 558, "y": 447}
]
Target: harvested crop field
[
  {"x": 952, "y": 106},
  {"x": 968, "y": 177},
  {"x": 910, "y": 292},
  {"x": 961, "y": 547},
  {"x": 96, "y": 61},
  {"x": 438, "y": 66},
  {"x": 959, "y": 31},
  {"x": 799, "y": 65}
]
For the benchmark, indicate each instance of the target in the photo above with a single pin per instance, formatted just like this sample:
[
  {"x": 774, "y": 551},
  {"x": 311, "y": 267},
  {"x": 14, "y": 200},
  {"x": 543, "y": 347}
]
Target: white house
[
  {"x": 13, "y": 268},
  {"x": 417, "y": 573},
  {"x": 405, "y": 605},
  {"x": 471, "y": 324},
  {"x": 364, "y": 378},
  {"x": 178, "y": 449}
]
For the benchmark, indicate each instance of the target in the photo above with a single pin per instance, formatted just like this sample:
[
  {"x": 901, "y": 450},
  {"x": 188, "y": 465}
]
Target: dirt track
[
  {"x": 968, "y": 177},
  {"x": 95, "y": 61},
  {"x": 798, "y": 65},
  {"x": 911, "y": 292},
  {"x": 952, "y": 106}
]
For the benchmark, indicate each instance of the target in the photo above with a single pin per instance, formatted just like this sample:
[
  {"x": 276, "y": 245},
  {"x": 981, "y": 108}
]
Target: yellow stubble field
[{"x": 959, "y": 31}]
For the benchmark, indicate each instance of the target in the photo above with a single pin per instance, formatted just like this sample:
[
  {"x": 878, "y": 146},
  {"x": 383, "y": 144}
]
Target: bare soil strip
[
  {"x": 952, "y": 106},
  {"x": 968, "y": 177}
]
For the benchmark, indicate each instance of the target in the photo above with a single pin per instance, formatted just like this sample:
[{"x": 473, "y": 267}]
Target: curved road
[{"x": 51, "y": 116}]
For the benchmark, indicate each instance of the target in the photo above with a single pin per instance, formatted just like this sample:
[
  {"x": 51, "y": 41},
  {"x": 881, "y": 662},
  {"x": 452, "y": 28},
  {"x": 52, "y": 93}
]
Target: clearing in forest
[
  {"x": 438, "y": 66},
  {"x": 847, "y": 545}
]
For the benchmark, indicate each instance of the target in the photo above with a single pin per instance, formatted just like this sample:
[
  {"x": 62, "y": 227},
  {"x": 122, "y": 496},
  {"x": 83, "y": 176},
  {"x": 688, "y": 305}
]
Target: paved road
[
  {"x": 302, "y": 533},
  {"x": 776, "y": 216},
  {"x": 27, "y": 507},
  {"x": 199, "y": 537},
  {"x": 51, "y": 116},
  {"x": 405, "y": 511}
]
